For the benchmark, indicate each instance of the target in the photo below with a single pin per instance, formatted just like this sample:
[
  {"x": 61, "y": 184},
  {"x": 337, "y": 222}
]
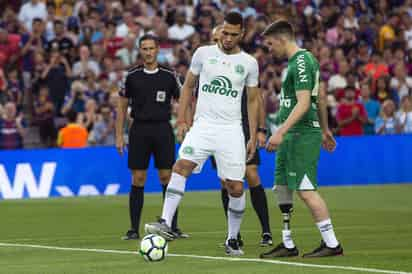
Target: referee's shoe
[{"x": 131, "y": 235}]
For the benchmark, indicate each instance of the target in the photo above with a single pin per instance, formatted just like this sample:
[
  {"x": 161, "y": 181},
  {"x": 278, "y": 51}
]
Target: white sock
[
  {"x": 174, "y": 193},
  {"x": 235, "y": 212},
  {"x": 287, "y": 239},
  {"x": 328, "y": 235}
]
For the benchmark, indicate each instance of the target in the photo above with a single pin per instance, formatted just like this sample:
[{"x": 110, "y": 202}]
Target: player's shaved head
[
  {"x": 216, "y": 34},
  {"x": 280, "y": 28}
]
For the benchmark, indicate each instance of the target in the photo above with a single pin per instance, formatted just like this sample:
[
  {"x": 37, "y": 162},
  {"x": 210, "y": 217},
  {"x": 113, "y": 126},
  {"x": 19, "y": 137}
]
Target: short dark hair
[
  {"x": 234, "y": 18},
  {"x": 71, "y": 116},
  {"x": 148, "y": 37},
  {"x": 280, "y": 27},
  {"x": 37, "y": 20}
]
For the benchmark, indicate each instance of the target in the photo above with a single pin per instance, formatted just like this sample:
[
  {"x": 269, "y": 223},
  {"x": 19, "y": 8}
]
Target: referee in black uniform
[
  {"x": 149, "y": 90},
  {"x": 257, "y": 192}
]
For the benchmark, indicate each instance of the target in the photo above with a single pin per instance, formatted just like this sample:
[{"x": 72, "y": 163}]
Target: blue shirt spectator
[
  {"x": 372, "y": 109},
  {"x": 387, "y": 123}
]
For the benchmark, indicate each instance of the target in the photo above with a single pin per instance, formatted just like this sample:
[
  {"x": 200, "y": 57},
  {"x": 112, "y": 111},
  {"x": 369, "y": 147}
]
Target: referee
[{"x": 149, "y": 90}]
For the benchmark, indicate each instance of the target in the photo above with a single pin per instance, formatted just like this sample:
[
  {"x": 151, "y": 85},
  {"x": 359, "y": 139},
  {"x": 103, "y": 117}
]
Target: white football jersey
[{"x": 222, "y": 78}]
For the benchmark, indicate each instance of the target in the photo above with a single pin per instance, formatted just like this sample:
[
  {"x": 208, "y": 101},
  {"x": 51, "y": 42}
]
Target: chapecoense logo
[{"x": 220, "y": 85}]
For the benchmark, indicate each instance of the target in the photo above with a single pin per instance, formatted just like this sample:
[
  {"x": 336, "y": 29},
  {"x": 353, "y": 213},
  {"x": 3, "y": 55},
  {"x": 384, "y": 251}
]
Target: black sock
[
  {"x": 174, "y": 221},
  {"x": 136, "y": 200},
  {"x": 225, "y": 199},
  {"x": 260, "y": 204}
]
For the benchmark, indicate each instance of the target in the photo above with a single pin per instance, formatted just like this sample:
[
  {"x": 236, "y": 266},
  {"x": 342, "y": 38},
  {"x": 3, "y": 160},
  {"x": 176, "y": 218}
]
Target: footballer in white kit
[
  {"x": 217, "y": 127},
  {"x": 221, "y": 71}
]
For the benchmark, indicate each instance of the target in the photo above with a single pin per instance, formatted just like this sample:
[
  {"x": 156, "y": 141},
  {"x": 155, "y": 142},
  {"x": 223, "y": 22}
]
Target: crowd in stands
[{"x": 61, "y": 59}]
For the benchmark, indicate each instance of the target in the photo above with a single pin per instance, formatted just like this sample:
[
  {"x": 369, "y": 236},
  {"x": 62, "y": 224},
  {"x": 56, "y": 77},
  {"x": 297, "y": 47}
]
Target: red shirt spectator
[
  {"x": 111, "y": 42},
  {"x": 351, "y": 115},
  {"x": 9, "y": 47}
]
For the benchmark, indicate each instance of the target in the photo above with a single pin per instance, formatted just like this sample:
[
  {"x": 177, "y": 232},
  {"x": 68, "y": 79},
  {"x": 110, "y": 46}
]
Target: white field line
[{"x": 349, "y": 268}]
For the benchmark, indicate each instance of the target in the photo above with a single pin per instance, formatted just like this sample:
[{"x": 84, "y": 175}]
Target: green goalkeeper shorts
[{"x": 297, "y": 160}]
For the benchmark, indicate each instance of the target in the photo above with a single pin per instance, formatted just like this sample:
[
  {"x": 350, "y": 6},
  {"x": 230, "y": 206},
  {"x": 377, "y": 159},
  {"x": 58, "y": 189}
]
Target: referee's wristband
[{"x": 263, "y": 130}]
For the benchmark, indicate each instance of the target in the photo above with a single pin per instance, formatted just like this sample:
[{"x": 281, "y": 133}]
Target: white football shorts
[{"x": 225, "y": 143}]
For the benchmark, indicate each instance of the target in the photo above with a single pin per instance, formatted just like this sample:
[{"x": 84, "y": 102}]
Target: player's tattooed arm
[{"x": 185, "y": 101}]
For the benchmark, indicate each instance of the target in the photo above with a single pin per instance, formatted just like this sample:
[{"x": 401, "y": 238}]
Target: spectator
[
  {"x": 11, "y": 128},
  {"x": 401, "y": 82},
  {"x": 334, "y": 34},
  {"x": 44, "y": 118},
  {"x": 128, "y": 54},
  {"x": 128, "y": 26},
  {"x": 73, "y": 135},
  {"x": 103, "y": 132},
  {"x": 376, "y": 68},
  {"x": 111, "y": 42},
  {"x": 3, "y": 87},
  {"x": 56, "y": 76},
  {"x": 387, "y": 123},
  {"x": 387, "y": 31},
  {"x": 14, "y": 90},
  {"x": 76, "y": 99},
  {"x": 85, "y": 64},
  {"x": 31, "y": 10},
  {"x": 372, "y": 108},
  {"x": 89, "y": 117},
  {"x": 244, "y": 9},
  {"x": 90, "y": 36},
  {"x": 350, "y": 21},
  {"x": 180, "y": 31},
  {"x": 30, "y": 44},
  {"x": 9, "y": 47},
  {"x": 404, "y": 115},
  {"x": 383, "y": 91},
  {"x": 351, "y": 115},
  {"x": 61, "y": 42},
  {"x": 338, "y": 81}
]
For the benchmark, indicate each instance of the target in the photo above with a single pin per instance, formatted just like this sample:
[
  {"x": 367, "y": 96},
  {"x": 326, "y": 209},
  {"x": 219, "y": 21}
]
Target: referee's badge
[{"x": 161, "y": 96}]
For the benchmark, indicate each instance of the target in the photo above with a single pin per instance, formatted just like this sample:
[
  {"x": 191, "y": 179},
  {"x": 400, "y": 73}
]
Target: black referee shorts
[
  {"x": 256, "y": 157},
  {"x": 147, "y": 138}
]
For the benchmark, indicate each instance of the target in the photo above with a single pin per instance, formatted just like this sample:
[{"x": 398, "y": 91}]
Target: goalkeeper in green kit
[{"x": 303, "y": 130}]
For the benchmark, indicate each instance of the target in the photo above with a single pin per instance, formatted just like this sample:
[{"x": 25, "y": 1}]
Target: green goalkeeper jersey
[{"x": 302, "y": 74}]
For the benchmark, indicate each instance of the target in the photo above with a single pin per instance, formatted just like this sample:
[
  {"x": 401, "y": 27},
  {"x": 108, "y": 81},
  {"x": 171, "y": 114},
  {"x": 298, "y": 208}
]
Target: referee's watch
[{"x": 262, "y": 129}]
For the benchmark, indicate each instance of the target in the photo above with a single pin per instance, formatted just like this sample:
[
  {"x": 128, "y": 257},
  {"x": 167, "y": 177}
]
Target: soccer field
[{"x": 374, "y": 224}]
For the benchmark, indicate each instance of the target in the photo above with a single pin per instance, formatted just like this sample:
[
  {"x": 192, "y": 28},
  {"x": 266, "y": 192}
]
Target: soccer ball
[{"x": 153, "y": 248}]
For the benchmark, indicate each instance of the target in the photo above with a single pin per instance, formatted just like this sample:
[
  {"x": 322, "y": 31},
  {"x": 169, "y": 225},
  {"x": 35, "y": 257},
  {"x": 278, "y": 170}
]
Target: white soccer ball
[{"x": 153, "y": 248}]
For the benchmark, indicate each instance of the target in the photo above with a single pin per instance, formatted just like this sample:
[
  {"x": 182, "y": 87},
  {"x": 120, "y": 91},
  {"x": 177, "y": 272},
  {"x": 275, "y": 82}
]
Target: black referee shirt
[{"x": 150, "y": 93}]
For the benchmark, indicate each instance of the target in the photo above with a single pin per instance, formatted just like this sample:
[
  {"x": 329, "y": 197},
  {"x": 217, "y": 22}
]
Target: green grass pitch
[{"x": 374, "y": 224}]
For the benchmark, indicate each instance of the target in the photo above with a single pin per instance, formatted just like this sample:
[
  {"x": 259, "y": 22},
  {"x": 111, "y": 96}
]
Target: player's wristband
[{"x": 263, "y": 130}]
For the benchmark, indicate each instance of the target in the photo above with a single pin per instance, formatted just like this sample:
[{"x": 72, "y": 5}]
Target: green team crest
[
  {"x": 240, "y": 69},
  {"x": 213, "y": 61},
  {"x": 188, "y": 150}
]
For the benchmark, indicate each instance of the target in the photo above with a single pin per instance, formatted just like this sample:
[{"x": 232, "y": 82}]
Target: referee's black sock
[
  {"x": 136, "y": 200},
  {"x": 174, "y": 220},
  {"x": 260, "y": 204},
  {"x": 225, "y": 199}
]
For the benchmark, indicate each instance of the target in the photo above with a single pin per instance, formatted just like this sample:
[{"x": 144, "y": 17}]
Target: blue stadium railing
[{"x": 94, "y": 171}]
